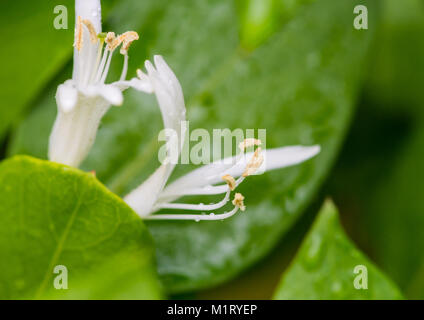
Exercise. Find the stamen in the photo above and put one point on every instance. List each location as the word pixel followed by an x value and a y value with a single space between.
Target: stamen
pixel 124 68
pixel 127 39
pixel 110 36
pixel 111 44
pixel 197 207
pixel 111 41
pixel 106 53
pixel 78 35
pixel 206 190
pixel 91 30
pixel 106 70
pixel 249 143
pixel 230 181
pixel 202 207
pixel 195 217
pixel 94 75
pixel 238 204
pixel 254 163
pixel 238 201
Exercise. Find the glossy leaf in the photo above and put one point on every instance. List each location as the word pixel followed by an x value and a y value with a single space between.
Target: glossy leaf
pixel 328 266
pixel 52 215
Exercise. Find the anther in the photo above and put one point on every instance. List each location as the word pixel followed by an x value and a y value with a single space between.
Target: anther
pixel 249 143
pixel 230 181
pixel 78 35
pixel 91 30
pixel 127 39
pixel 254 163
pixel 238 201
pixel 111 41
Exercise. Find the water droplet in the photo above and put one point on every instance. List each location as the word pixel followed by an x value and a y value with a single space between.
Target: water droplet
pixel 314 253
pixel 197 220
pixel 95 13
pixel 212 214
pixel 336 286
pixel 337 289
pixel 355 254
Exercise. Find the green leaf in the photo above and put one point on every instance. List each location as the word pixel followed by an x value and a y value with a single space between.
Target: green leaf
pixel 54 215
pixel 324 267
pixel 300 85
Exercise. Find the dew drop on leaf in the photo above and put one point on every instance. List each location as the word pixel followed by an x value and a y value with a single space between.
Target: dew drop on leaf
pixel 314 252
pixel 337 289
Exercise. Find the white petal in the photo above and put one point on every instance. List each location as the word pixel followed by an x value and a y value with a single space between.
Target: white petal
pixel 87 10
pixel 90 10
pixel 168 92
pixel 110 93
pixel 288 156
pixel 208 175
pixel 169 95
pixel 142 85
pixel 168 76
pixel 67 97
pixel 143 198
pixel 74 132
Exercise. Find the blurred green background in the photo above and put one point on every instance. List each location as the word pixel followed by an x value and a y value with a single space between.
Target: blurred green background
pixel 377 181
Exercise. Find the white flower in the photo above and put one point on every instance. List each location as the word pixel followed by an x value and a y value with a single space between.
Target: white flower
pixel 152 196
pixel 83 101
